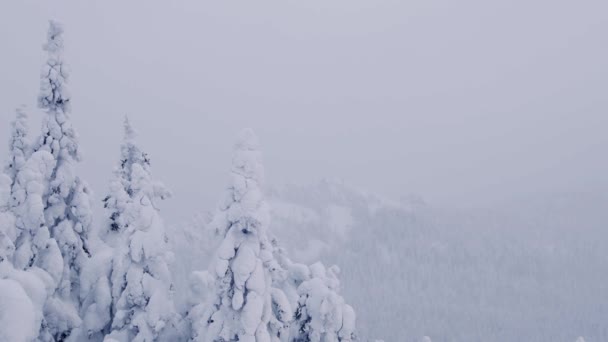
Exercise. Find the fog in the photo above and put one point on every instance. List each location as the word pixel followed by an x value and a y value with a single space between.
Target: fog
pixel 464 103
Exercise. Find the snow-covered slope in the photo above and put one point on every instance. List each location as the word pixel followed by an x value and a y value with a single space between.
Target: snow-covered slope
pixel 530 270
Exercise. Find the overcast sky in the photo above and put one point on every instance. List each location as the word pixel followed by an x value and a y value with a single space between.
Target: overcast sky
pixel 462 102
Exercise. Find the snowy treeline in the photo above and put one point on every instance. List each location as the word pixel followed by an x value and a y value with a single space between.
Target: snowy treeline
pixel 526 270
pixel 67 277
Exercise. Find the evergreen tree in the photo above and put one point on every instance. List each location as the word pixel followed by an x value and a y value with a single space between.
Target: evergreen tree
pixel 121 187
pixel 23 292
pixel 96 297
pixel 10 193
pixel 240 307
pixel 7 221
pixel 322 315
pixel 34 244
pixel 36 251
pixel 141 285
pixel 18 149
pixel 66 200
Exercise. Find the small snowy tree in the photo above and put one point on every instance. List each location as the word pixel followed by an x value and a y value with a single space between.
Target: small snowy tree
pixel 8 233
pixel 18 153
pixel 322 315
pixel 96 296
pixel 121 187
pixel 18 147
pixel 34 242
pixel 141 285
pixel 22 293
pixel 66 199
pixel 240 306
pixel 96 291
pixel 36 251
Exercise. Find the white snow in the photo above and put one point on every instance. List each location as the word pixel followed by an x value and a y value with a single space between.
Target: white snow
pixel 19 320
pixel 527 271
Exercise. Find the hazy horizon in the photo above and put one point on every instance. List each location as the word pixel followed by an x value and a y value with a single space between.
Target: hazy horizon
pixel 463 104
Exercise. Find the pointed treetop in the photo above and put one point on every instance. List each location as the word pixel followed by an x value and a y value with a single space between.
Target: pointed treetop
pixel 130 132
pixel 21 112
pixel 54 95
pixel 19 126
pixel 54 42
pixel 131 152
pixel 247 140
pixel 246 161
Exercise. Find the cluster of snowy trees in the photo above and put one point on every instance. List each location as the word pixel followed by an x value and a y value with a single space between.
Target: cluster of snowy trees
pixel 65 278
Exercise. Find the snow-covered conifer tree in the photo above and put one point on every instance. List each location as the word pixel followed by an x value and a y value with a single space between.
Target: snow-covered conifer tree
pixel 66 199
pixel 18 147
pixel 121 187
pixel 240 307
pixel 34 237
pixel 141 285
pixel 322 315
pixel 96 296
pixel 36 251
pixel 8 232
pixel 18 153
pixel 22 294
pixel 96 291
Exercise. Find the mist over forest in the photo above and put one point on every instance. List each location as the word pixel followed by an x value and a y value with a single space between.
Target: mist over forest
pixel 304 172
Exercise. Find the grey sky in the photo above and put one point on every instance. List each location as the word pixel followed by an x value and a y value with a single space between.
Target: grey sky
pixel 459 101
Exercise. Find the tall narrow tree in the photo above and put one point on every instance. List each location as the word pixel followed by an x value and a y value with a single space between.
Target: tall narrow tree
pixel 67 209
pixel 141 286
pixel 98 303
pixel 241 305
pixel 22 294
pixel 36 251
pixel 18 149
pixel 7 221
pixel 121 185
pixel 12 195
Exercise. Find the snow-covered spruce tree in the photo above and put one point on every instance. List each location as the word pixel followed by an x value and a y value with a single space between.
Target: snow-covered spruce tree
pixel 37 252
pixel 96 296
pixel 22 294
pixel 8 233
pixel 96 291
pixel 18 152
pixel 121 188
pixel 322 315
pixel 18 148
pixel 67 207
pixel 141 286
pixel 242 305
pixel 34 243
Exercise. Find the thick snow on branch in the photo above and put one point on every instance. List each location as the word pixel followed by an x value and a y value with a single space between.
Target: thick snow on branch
pixel 239 304
pixel 18 145
pixel 140 291
pixel 52 203
pixel 54 95
pixel 322 314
